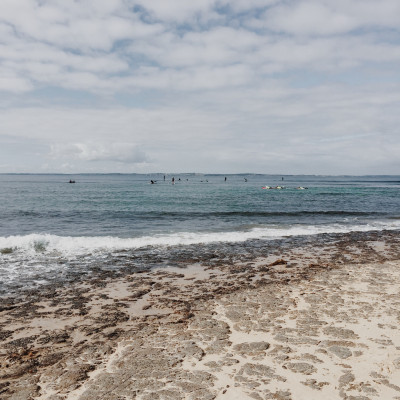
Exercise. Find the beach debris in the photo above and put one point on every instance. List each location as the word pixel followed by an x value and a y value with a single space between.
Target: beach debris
pixel 314 384
pixel 280 261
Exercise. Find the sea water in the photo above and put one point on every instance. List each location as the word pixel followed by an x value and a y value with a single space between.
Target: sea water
pixel 50 228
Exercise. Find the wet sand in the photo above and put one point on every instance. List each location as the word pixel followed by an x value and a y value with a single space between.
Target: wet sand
pixel 312 322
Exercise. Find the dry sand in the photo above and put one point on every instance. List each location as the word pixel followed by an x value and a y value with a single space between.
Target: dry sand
pixel 315 323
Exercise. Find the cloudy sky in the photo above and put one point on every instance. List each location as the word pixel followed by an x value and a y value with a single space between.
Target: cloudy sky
pixel 265 86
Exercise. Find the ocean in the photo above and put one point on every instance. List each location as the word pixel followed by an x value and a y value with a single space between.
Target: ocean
pixel 52 230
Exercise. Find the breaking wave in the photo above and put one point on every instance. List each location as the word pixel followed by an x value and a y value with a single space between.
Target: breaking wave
pixel 74 246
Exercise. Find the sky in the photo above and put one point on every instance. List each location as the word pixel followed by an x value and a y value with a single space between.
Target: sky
pixel 258 86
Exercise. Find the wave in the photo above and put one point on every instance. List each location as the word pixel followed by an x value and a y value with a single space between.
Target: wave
pixel 36 244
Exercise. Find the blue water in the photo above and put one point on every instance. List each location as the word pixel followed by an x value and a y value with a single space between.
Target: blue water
pixel 128 206
pixel 45 221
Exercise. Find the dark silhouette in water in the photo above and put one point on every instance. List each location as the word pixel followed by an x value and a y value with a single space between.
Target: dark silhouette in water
pixel 173 180
pixel 225 179
pixel 71 181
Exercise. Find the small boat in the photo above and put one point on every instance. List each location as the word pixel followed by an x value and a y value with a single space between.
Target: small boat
pixel 273 187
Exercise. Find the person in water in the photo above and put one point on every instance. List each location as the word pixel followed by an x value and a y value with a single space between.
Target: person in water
pixel 225 179
pixel 173 180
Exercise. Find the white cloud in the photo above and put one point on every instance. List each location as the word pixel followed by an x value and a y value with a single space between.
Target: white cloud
pixel 326 17
pixel 177 10
pixel 330 129
pixel 80 25
pixel 309 17
pixel 11 82
pixel 216 47
pixel 106 48
pixel 113 151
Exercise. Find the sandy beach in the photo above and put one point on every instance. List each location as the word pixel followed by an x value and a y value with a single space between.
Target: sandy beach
pixel 312 322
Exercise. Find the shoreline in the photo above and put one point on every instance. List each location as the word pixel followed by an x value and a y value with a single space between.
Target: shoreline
pixel 215 328
pixel 213 254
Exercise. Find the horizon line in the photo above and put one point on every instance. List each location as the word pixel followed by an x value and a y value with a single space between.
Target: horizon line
pixel 186 173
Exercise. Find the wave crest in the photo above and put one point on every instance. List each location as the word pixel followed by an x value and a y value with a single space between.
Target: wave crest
pixel 35 244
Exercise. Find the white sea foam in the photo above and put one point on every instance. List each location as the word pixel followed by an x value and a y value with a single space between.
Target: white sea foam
pixel 74 246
